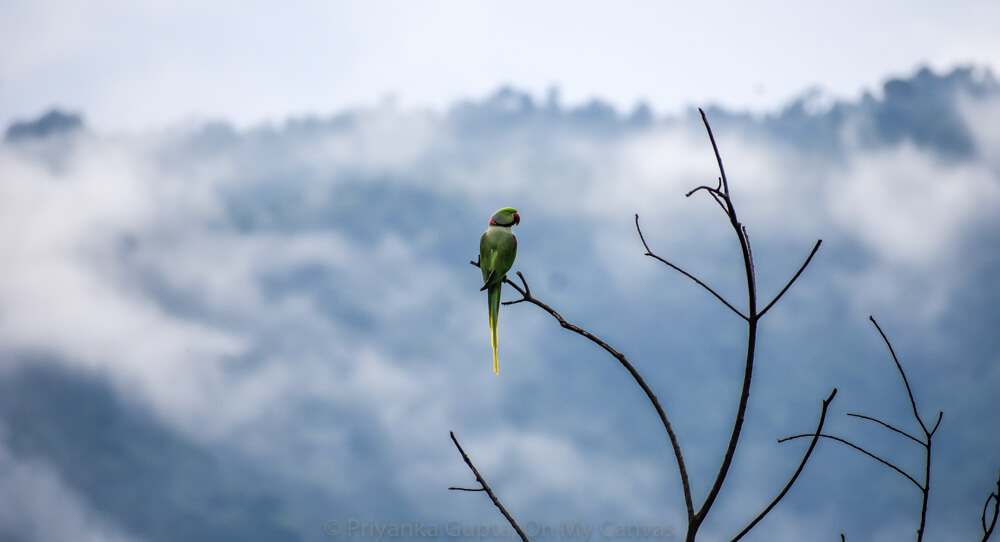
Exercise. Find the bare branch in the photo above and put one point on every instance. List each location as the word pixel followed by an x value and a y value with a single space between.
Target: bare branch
pixel 926 487
pixel 526 296
pixel 793 279
pixel 683 272
pixel 862 450
pixel 486 488
pixel 888 426
pixel 906 382
pixel 752 319
pixel 802 464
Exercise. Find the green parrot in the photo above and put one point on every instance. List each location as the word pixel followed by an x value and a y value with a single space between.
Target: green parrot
pixel 497 249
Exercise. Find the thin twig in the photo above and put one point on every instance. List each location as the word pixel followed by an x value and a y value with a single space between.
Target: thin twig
pixel 906 382
pixel 526 296
pixel 683 272
pixel 794 277
pixel 486 488
pixel 888 426
pixel 926 487
pixel 860 449
pixel 802 464
pixel 723 198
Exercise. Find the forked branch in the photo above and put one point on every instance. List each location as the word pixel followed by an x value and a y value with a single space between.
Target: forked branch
pixel 925 486
pixel 928 433
pixel 722 196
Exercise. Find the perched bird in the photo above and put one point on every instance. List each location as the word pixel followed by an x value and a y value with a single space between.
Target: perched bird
pixel 497 249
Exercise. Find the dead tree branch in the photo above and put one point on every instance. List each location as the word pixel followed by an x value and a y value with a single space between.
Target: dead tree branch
pixel 722 196
pixel 485 487
pixel 928 433
pixel 925 486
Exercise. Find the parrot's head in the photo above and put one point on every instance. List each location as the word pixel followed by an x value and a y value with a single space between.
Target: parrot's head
pixel 505 217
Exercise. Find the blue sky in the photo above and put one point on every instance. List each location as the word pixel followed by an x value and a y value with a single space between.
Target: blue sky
pixel 133 65
pixel 239 302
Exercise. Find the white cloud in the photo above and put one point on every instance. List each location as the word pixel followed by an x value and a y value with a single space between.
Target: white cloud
pixel 61 293
pixel 907 206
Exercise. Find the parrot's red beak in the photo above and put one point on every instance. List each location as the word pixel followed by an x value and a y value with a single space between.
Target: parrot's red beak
pixel 517 218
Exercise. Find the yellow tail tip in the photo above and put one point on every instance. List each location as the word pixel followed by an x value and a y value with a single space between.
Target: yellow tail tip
pixel 493 343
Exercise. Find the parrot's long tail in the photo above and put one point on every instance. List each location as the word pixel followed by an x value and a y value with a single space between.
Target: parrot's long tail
pixel 494 295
